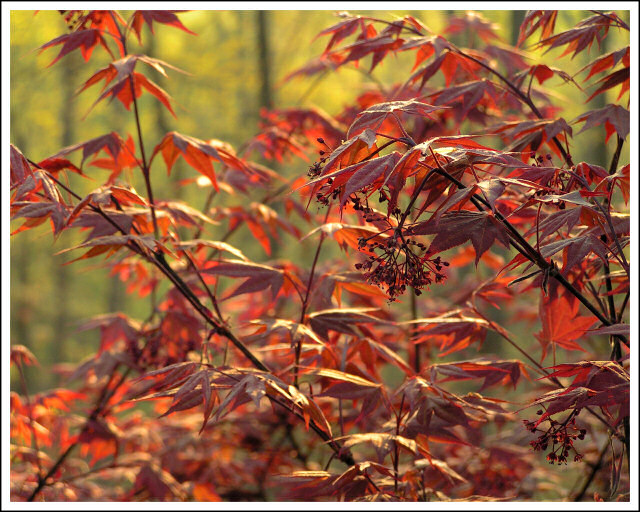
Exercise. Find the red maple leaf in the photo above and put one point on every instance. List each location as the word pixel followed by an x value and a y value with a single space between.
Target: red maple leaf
pixel 562 324
pixel 198 154
pixel 121 72
pixel 148 17
pixel 374 116
pixel 614 117
pixel 456 228
pixel 86 40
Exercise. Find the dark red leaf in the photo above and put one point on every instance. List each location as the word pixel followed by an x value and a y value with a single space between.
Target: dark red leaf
pixel 86 40
pixel 343 320
pixel 472 22
pixel 258 277
pixel 622 76
pixel 545 20
pixel 148 17
pixel 579 37
pixel 614 117
pixel 493 372
pixel 22 356
pixel 19 167
pixel 373 116
pixel 607 61
pixel 456 228
pixel 562 324
pixel 453 331
pixel 596 383
pixel 112 143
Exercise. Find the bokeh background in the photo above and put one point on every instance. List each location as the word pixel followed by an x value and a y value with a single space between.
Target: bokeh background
pixel 237 63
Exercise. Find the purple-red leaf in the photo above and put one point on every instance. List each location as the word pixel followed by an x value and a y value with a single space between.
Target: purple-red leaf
pixel 86 40
pixel 456 228
pixel 374 116
pixel 614 117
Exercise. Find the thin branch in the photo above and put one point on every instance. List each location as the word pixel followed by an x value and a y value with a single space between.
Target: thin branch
pixel 25 391
pixel 623 307
pixel 212 297
pixel 145 165
pixel 305 302
pixel 594 470
pixel 414 316
pixel 595 295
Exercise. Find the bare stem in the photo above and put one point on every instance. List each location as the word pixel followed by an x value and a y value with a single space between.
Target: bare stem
pixel 305 302
pixel 414 316
pixel 594 470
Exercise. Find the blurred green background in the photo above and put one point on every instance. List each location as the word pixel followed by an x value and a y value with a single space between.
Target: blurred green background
pixel 222 100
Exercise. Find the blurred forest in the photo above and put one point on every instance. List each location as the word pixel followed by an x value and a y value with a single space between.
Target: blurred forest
pixel 238 61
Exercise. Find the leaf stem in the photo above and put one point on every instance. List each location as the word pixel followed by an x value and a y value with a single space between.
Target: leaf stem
pixel 145 165
pixel 212 297
pixel 305 302
pixel 414 316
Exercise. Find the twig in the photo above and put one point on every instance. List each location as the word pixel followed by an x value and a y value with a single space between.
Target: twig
pixel 145 165
pixel 594 470
pixel 305 303
pixel 25 391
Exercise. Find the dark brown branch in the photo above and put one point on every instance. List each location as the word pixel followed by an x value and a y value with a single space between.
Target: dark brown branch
pixel 594 470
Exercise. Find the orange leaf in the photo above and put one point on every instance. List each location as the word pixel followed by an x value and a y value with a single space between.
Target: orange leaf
pixel 561 324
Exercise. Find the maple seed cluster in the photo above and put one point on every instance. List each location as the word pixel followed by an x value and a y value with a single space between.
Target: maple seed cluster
pixel 538 160
pixel 399 265
pixel 316 168
pixel 71 18
pixel 560 435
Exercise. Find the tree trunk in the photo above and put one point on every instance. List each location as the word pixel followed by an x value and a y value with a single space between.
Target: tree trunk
pixel 63 277
pixel 517 17
pixel 264 59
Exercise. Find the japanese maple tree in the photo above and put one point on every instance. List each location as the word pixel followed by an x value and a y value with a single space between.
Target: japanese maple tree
pixel 458 209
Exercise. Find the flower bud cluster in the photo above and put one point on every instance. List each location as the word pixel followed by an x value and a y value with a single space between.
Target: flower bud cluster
pixel 400 262
pixel 560 436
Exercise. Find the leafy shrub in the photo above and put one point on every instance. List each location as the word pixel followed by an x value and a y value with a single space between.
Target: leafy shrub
pixel 349 378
